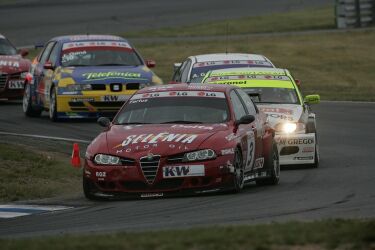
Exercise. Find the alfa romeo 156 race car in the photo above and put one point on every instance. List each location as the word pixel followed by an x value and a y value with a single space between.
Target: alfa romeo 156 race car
pixel 85 76
pixel 181 138
pixel 276 94
pixel 194 68
pixel 13 70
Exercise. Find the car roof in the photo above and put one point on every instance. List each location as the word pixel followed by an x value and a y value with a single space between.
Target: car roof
pixel 187 87
pixel 229 56
pixel 81 38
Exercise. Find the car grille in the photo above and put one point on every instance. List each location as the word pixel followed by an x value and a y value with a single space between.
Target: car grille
pixel 3 80
pixel 127 86
pixel 179 158
pixel 149 166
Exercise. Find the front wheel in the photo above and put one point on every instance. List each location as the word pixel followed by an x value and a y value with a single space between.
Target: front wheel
pixel 53 106
pixel 272 164
pixel 27 106
pixel 88 189
pixel 239 172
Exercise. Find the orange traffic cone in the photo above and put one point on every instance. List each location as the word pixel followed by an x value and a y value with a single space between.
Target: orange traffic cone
pixel 76 158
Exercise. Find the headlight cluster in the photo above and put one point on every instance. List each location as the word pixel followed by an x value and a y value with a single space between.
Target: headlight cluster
pixel 78 87
pixel 200 155
pixel 23 75
pixel 103 159
pixel 290 127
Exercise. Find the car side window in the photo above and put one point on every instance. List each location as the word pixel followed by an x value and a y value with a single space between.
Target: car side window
pixel 54 54
pixel 185 71
pixel 251 108
pixel 238 108
pixel 46 52
pixel 178 75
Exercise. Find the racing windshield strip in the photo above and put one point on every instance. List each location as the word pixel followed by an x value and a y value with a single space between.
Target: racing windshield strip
pixel 111 44
pixel 255 83
pixel 209 94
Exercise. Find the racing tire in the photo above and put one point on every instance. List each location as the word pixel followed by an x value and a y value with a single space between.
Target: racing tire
pixel 311 128
pixel 272 164
pixel 317 155
pixel 27 106
pixel 88 189
pixel 53 106
pixel 239 172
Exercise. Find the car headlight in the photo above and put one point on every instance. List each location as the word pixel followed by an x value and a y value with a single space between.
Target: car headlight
pixel 103 159
pixel 290 127
pixel 78 87
pixel 23 75
pixel 200 155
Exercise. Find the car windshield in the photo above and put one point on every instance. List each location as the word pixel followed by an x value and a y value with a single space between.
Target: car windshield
pixel 273 95
pixel 182 110
pixel 199 70
pixel 96 55
pixel 6 48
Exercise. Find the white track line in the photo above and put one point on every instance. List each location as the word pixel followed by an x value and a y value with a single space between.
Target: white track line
pixel 46 137
pixel 12 210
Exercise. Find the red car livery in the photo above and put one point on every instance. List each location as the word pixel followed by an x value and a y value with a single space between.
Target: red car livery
pixel 183 137
pixel 13 70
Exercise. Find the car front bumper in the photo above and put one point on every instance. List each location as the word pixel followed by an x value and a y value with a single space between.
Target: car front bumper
pixel 296 148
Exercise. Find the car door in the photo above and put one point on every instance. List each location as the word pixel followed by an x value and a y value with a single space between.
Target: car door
pixel 49 73
pixel 258 125
pixel 39 74
pixel 246 133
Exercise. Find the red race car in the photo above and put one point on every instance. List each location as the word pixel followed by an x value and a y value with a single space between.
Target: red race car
pixel 181 138
pixel 13 70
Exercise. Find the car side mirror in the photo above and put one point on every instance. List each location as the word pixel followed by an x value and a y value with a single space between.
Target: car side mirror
pixel 23 52
pixel 48 65
pixel 298 82
pixel 150 63
pixel 104 122
pixel 312 99
pixel 176 66
pixel 246 119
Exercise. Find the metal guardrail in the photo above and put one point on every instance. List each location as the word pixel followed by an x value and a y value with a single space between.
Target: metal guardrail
pixel 354 13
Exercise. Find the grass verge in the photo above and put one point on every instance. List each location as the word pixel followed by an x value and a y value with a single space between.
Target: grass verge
pixel 28 172
pixel 311 19
pixel 327 234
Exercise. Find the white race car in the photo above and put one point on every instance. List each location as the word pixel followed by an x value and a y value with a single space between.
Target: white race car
pixel 194 68
pixel 275 92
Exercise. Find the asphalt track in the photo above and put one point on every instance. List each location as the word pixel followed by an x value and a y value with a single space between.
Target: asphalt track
pixel 27 22
pixel 342 187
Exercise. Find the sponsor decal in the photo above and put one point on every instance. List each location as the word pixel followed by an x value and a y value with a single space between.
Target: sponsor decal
pixel 114 98
pixel 86 99
pixel 304 158
pixel 100 174
pixel 192 126
pixel 138 101
pixel 277 110
pixel 155 138
pixel 227 151
pixel 280 116
pixel 308 149
pixel 151 195
pixel 237 78
pixel 72 56
pixel 92 76
pixel 73 45
pixel 231 137
pixel 284 141
pixel 259 163
pixel 179 93
pixel 183 171
pixel 9 63
pixel 231 62
pixel 15 84
pixel 199 87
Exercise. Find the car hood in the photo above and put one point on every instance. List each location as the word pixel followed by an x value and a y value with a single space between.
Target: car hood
pixel 135 141
pixel 14 64
pixel 277 113
pixel 108 74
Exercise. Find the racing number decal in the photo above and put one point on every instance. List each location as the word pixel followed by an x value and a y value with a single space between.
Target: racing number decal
pixel 250 150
